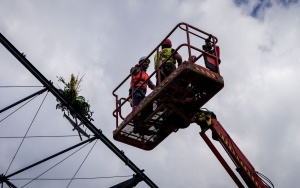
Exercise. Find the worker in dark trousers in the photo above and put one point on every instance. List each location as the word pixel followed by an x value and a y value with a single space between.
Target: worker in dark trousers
pixel 162 56
pixel 138 86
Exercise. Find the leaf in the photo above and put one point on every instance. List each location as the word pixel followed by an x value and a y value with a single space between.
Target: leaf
pixel 70 92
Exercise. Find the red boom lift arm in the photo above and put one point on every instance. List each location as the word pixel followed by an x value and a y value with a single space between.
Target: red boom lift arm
pixel 208 120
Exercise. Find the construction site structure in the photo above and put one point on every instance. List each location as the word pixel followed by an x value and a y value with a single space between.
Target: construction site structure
pixel 80 121
pixel 174 104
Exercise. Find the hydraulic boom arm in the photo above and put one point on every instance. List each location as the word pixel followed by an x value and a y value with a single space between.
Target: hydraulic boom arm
pixel 207 120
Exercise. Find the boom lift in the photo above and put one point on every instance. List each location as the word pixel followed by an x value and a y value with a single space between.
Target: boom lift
pixel 176 103
pixel 208 120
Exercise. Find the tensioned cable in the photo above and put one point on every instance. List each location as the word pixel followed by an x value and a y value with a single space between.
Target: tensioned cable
pixel 56 164
pixel 81 164
pixel 18 137
pixel 20 86
pixel 18 108
pixel 64 179
pixel 26 133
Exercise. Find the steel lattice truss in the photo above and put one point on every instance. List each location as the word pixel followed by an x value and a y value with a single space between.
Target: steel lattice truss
pixel 23 111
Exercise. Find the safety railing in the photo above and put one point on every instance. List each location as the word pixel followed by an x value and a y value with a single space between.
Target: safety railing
pixel 191 40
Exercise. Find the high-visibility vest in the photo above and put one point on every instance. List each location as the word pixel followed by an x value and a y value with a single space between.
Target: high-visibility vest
pixel 138 79
pixel 163 55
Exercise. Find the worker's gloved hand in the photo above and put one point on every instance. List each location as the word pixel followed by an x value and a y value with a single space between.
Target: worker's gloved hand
pixel 192 59
pixel 130 102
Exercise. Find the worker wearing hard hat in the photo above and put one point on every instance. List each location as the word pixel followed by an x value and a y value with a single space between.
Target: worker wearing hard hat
pixel 166 58
pixel 138 84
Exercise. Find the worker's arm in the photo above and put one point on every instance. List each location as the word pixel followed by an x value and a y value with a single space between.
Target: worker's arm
pixel 150 84
pixel 178 57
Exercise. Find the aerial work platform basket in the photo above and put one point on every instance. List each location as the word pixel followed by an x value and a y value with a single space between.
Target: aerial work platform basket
pixel 172 105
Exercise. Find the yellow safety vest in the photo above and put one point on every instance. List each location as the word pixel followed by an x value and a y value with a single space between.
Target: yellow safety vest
pixel 163 55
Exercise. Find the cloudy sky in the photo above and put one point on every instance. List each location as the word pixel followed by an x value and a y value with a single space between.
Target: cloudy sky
pixel 101 40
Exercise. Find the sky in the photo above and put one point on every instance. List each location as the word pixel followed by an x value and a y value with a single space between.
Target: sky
pixel 101 41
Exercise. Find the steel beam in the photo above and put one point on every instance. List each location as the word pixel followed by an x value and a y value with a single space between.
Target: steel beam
pixel 97 132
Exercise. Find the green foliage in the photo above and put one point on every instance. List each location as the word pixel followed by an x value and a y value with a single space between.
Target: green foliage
pixel 70 92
